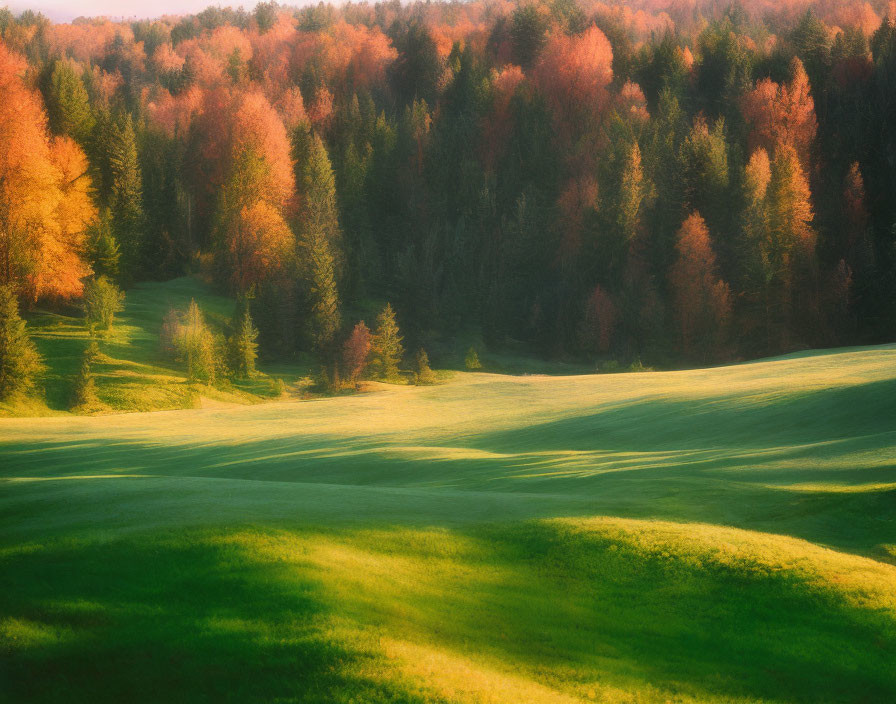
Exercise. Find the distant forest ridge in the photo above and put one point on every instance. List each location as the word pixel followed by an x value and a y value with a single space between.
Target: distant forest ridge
pixel 670 181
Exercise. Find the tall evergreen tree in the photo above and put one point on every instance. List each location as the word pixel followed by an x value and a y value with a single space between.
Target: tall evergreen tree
pixel 634 190
pixel 704 170
pixel 126 197
pixel 319 266
pixel 319 244
pixel 19 360
pixel 317 187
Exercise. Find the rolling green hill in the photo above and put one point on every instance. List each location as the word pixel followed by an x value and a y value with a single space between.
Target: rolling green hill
pixel 723 535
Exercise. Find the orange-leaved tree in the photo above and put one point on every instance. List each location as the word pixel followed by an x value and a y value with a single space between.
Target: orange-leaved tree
pixel 782 114
pixel 253 238
pixel 44 195
pixel 702 299
pixel 573 74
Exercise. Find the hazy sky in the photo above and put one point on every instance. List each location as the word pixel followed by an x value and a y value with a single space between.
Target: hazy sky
pixel 64 11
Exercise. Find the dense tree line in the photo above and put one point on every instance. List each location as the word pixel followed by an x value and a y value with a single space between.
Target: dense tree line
pixel 665 181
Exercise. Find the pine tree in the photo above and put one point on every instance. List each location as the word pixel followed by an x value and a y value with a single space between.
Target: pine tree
pixel 19 360
pixel 416 71
pixel 242 344
pixel 84 396
pixel 265 15
pixel 360 251
pixel 386 347
pixel 319 215
pixel 126 200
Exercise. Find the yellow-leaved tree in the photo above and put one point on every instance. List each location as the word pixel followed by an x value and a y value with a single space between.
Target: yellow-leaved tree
pixel 45 204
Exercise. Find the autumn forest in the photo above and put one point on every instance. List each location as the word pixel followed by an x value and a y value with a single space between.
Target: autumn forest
pixel 443 352
pixel 680 182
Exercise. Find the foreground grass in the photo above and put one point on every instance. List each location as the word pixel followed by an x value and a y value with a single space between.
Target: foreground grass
pixel 713 535
pixel 132 374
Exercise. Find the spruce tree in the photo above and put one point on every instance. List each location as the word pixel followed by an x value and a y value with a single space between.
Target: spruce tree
pixel 317 184
pixel 126 200
pixel 319 244
pixel 19 360
pixel 242 344
pixel 323 297
pixel 386 346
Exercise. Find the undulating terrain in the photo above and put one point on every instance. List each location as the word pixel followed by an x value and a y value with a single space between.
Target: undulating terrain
pixel 725 534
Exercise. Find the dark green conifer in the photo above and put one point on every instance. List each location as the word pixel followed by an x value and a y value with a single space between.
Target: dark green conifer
pixel 19 360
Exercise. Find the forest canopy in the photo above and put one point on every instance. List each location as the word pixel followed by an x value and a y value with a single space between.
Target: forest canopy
pixel 668 180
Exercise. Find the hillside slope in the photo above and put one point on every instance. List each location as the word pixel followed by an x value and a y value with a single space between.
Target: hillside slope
pixel 713 535
pixel 132 374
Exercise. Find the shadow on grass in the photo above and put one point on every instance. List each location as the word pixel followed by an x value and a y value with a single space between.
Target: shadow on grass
pixel 737 487
pixel 198 617
pixel 699 625
pixel 722 421
pixel 582 608
pixel 173 619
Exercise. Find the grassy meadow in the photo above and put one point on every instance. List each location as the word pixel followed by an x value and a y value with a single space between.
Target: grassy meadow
pixel 718 535
pixel 132 374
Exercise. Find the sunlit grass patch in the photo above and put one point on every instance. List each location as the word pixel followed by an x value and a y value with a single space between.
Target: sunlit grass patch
pixel 545 611
pixel 720 535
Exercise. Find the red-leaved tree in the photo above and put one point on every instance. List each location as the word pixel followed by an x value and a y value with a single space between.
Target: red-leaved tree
pixel 355 352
